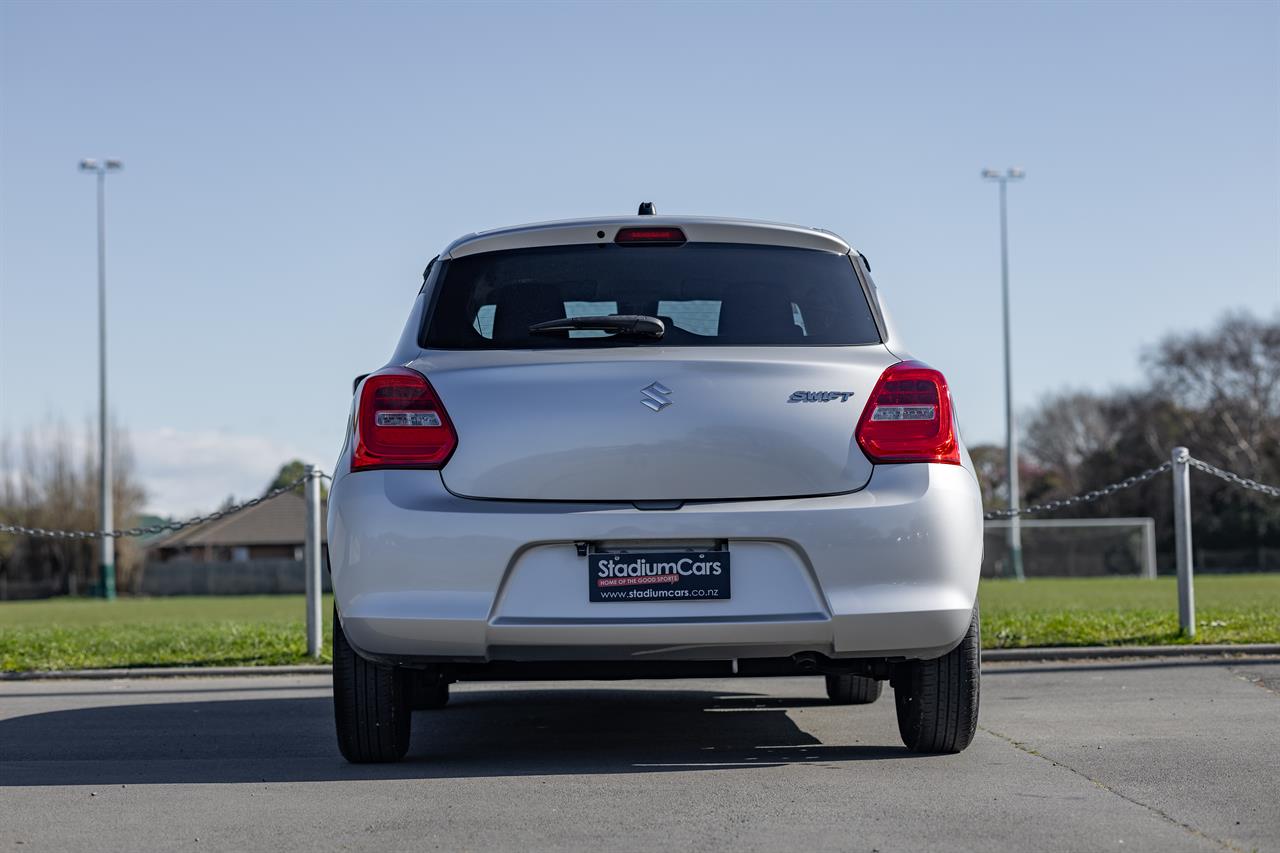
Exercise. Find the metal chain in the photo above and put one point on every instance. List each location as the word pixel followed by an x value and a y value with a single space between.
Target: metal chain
pixel 1094 495
pixel 20 530
pixel 1048 506
pixel 1273 491
pixel 1087 497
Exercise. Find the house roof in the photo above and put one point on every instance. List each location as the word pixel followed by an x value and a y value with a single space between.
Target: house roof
pixel 280 521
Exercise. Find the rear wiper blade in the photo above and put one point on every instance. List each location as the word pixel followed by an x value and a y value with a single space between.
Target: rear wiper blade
pixel 637 325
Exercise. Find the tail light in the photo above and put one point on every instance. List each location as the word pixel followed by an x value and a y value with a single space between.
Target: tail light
pixel 908 417
pixel 401 423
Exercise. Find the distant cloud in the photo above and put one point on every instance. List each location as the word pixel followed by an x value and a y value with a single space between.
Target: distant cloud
pixel 186 473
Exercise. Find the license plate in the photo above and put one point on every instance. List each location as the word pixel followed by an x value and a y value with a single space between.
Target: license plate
pixel 658 576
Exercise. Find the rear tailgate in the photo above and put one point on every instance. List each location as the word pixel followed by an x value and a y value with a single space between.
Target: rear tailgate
pixel 639 425
pixel 754 390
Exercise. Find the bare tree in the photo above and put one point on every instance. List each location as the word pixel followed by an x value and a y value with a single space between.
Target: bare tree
pixel 49 479
pixel 1216 392
pixel 1227 381
pixel 1065 430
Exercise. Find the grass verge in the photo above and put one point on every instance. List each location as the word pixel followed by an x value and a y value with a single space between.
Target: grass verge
pixel 73 633
pixel 261 630
pixel 1127 611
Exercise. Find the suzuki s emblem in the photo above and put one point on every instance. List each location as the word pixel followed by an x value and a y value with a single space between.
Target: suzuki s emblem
pixel 656 396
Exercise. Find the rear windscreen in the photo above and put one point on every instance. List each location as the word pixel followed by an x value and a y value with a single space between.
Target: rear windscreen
pixel 707 294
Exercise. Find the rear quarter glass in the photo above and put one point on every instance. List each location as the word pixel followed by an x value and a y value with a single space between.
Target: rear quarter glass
pixel 707 294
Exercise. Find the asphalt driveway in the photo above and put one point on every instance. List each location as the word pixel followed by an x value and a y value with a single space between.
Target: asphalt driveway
pixel 1161 756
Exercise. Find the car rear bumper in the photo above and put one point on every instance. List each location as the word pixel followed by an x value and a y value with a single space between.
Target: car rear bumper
pixel 889 571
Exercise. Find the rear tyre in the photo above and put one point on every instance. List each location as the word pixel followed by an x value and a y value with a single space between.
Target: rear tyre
pixel 852 689
pixel 937 700
pixel 370 705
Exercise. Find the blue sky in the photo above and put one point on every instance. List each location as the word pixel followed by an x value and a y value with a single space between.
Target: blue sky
pixel 291 168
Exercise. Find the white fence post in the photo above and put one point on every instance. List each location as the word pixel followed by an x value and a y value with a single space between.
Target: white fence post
pixel 314 562
pixel 1149 548
pixel 1182 539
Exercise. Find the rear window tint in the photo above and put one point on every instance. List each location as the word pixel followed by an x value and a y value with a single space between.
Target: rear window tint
pixel 707 294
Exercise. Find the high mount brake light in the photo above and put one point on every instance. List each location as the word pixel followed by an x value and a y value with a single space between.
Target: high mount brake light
pixel 401 423
pixel 908 417
pixel 650 236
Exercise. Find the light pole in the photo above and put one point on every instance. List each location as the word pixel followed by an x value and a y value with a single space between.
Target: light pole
pixel 1011 433
pixel 107 562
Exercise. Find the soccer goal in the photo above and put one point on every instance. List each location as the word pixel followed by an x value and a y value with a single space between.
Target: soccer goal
pixel 1074 547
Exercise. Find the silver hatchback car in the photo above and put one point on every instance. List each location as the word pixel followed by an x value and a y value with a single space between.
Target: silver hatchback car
pixel 653 447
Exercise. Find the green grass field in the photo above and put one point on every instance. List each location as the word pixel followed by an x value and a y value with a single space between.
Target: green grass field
pixel 1127 611
pixel 257 630
pixel 78 633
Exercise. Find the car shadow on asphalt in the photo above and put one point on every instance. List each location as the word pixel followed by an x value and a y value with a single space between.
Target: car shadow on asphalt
pixel 482 733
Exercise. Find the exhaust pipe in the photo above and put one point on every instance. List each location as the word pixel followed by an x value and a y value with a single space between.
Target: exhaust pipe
pixel 807 661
